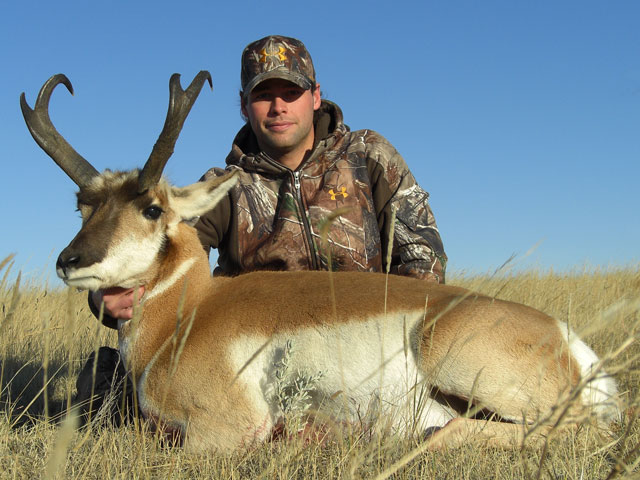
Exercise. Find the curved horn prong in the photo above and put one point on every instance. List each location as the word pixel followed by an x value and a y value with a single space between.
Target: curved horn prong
pixel 45 134
pixel 180 103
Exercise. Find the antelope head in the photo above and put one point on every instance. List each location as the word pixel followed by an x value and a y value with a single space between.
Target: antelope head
pixel 128 218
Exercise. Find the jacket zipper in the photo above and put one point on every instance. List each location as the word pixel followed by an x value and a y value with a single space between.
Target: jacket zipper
pixel 298 196
pixel 305 220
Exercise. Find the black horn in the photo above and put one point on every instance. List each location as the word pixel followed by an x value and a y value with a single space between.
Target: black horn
pixel 45 134
pixel 180 103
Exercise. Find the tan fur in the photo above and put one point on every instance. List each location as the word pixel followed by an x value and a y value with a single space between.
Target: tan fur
pixel 500 356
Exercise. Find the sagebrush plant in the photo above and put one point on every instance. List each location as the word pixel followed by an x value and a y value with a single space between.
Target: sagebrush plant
pixel 293 389
pixel 47 333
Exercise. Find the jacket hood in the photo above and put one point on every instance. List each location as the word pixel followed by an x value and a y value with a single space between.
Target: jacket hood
pixel 245 152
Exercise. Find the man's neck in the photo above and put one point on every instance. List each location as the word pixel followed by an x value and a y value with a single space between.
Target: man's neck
pixel 294 158
pixel 292 161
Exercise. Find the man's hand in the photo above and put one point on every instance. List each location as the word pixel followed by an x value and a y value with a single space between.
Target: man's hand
pixel 118 302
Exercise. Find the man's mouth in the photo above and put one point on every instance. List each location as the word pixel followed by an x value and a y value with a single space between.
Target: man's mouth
pixel 278 126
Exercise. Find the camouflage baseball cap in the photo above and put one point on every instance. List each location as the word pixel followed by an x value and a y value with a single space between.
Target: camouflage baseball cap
pixel 276 57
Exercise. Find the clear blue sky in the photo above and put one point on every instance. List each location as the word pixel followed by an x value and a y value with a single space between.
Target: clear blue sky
pixel 522 119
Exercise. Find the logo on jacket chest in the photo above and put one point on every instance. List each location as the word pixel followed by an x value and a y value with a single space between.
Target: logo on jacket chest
pixel 342 191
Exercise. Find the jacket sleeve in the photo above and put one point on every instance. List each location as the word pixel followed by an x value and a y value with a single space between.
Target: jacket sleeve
pixel 417 249
pixel 212 227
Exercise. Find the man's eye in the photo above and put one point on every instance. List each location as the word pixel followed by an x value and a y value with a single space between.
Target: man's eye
pixel 152 213
pixel 293 94
pixel 261 97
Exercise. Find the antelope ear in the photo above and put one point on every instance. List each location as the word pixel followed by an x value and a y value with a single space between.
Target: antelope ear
pixel 197 199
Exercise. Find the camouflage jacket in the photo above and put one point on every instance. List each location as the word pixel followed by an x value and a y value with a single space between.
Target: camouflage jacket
pixel 279 219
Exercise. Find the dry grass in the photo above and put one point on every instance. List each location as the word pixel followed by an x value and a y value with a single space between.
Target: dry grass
pixel 46 334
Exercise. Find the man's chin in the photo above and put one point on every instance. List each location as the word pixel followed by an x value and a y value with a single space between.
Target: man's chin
pixel 279 142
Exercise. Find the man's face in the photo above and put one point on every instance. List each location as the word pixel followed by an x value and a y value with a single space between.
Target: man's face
pixel 281 116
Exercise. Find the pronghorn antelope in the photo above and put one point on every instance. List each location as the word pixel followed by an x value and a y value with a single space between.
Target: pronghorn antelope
pixel 204 351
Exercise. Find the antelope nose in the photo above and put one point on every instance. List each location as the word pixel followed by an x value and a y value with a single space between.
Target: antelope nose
pixel 66 260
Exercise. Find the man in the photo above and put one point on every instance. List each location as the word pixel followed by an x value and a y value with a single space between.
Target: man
pixel 298 163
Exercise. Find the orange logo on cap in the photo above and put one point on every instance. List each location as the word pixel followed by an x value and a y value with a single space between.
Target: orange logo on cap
pixel 343 192
pixel 280 54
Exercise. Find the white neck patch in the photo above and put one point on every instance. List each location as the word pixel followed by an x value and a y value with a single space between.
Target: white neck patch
pixel 179 272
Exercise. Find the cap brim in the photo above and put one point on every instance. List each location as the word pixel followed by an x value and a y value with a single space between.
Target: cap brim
pixel 284 74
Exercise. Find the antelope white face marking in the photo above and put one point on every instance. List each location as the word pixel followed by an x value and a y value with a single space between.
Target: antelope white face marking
pixel 124 265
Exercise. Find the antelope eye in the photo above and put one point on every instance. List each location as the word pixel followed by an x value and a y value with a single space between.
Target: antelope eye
pixel 152 213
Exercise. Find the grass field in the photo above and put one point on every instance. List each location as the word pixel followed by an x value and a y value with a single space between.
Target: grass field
pixel 47 334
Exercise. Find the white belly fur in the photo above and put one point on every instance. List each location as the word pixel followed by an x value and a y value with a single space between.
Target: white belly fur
pixel 365 367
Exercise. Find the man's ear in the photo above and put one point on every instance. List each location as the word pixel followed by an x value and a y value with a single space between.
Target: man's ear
pixel 317 100
pixel 243 106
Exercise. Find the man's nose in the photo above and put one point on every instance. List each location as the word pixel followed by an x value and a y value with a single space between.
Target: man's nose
pixel 278 105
